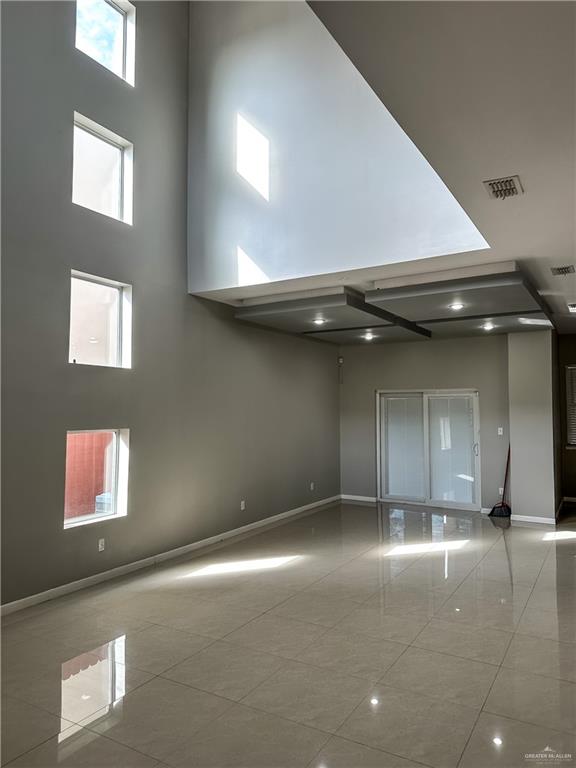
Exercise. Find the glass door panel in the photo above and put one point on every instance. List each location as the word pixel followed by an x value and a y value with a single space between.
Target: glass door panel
pixel 453 445
pixel 403 454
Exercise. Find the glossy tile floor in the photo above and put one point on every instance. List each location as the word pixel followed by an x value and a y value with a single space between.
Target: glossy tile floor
pixel 352 638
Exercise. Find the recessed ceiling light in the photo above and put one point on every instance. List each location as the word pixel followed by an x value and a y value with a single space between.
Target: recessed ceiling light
pixel 488 326
pixel 368 336
pixel 374 701
pixel 456 306
pixel 319 321
pixel 497 740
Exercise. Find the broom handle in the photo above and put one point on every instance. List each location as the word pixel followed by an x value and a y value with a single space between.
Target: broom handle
pixel 506 476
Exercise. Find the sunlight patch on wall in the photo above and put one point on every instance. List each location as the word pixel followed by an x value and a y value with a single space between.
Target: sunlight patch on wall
pixel 249 273
pixel 253 156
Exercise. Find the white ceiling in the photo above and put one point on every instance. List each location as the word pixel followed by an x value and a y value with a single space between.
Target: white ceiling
pixel 484 89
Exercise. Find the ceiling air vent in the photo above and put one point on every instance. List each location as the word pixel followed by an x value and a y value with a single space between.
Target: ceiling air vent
pixel 507 186
pixel 567 269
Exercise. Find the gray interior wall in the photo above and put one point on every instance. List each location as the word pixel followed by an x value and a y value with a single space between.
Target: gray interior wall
pixel 217 411
pixel 530 381
pixel 471 363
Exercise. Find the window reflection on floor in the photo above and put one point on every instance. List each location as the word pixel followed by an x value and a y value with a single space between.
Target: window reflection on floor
pixel 93 681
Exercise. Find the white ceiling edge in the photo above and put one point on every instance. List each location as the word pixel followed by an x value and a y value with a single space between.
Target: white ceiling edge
pixel 361 279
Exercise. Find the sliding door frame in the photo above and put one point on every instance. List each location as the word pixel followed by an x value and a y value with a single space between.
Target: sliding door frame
pixel 476 505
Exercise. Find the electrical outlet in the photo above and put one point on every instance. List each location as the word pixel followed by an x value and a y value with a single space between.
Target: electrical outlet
pixel 101 545
pixel 242 505
pixel 312 485
pixel 500 431
pixel 500 491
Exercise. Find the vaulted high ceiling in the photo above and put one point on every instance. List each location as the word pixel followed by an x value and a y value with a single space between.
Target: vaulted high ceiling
pixel 485 90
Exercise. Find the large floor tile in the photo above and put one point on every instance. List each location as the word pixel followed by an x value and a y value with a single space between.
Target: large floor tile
pixel 247 738
pixel 487 645
pixel 211 619
pixel 225 669
pixel 398 599
pixel 315 609
pixel 420 728
pixel 341 753
pixel 80 748
pixel 440 676
pixel 260 597
pixel 416 727
pixel 340 588
pixel 352 654
pixel 558 624
pixel 277 635
pixel 543 701
pixel 315 697
pixel 159 718
pixel 540 656
pixel 25 726
pixel 504 743
pixel 371 620
pixel 158 648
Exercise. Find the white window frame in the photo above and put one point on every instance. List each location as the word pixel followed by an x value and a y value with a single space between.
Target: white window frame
pixel 126 165
pixel 124 356
pixel 128 12
pixel 120 482
pixel 570 406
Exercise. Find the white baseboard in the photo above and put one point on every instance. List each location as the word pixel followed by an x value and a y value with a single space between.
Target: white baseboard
pixel 366 499
pixel 531 519
pixel 113 573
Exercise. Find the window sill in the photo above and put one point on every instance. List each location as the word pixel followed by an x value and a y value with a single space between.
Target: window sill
pixel 90 521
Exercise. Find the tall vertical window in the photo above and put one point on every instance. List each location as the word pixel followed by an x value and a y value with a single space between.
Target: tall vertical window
pixel 100 322
pixel 96 484
pixel 105 31
pixel 102 170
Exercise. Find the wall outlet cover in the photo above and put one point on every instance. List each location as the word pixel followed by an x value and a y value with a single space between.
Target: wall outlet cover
pixel 101 545
pixel 242 505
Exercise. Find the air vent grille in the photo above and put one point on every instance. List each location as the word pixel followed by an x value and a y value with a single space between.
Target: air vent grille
pixel 507 186
pixel 571 307
pixel 567 269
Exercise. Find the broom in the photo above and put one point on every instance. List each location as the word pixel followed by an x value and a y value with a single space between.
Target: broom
pixel 502 509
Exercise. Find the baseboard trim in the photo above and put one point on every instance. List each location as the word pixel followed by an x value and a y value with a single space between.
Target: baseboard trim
pixel 532 519
pixel 122 570
pixel 366 499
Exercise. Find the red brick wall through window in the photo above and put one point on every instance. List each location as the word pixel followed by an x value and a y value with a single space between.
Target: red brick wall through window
pixel 85 471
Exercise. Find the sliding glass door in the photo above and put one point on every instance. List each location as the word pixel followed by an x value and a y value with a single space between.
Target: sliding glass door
pixel 429 448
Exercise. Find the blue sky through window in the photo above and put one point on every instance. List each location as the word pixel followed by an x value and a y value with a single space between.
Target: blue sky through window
pixel 100 33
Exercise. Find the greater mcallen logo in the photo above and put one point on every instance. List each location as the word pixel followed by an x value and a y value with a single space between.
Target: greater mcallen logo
pixel 548 755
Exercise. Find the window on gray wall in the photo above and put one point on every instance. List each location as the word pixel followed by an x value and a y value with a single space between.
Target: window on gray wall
pixel 571 405
pixel 100 321
pixel 102 170
pixel 105 31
